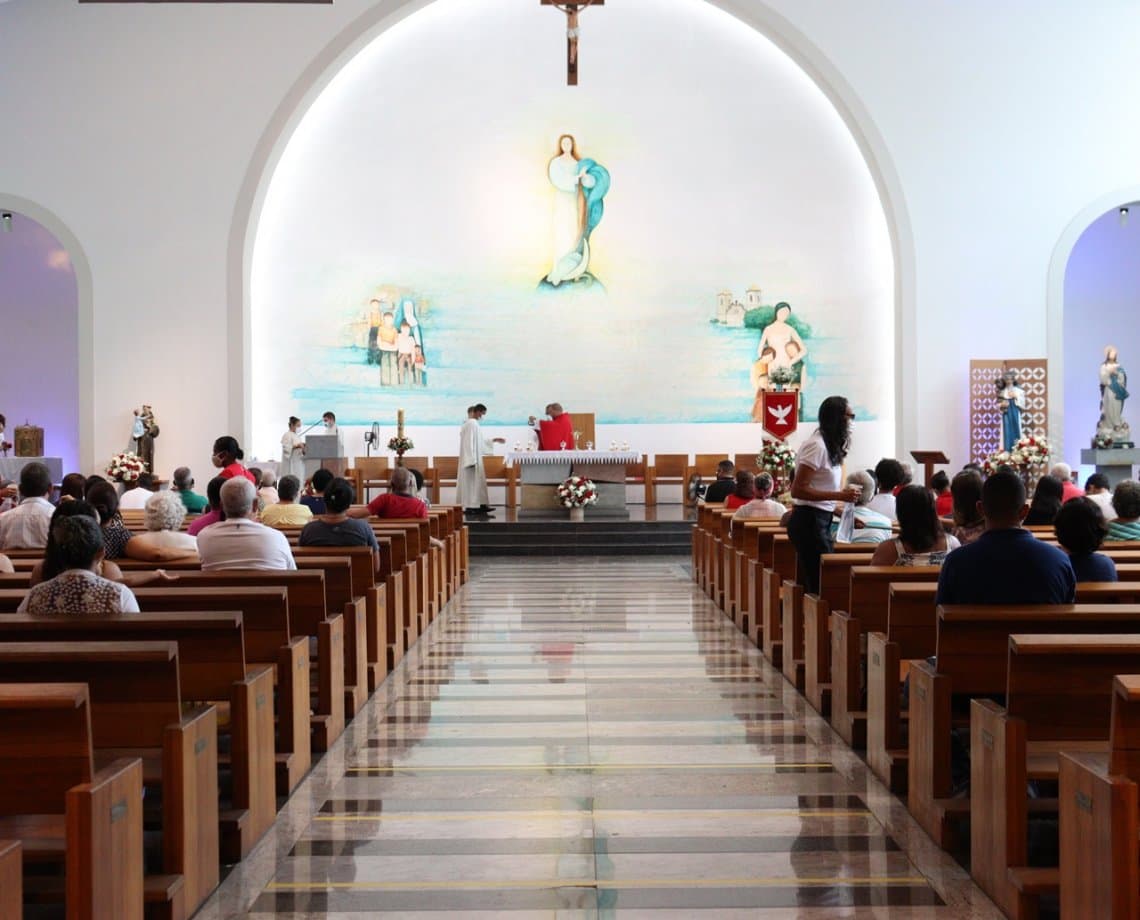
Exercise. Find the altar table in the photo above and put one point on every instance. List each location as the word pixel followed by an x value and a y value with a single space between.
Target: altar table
pixel 540 471
pixel 10 466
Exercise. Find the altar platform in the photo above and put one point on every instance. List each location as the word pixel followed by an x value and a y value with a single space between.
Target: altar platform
pixel 665 530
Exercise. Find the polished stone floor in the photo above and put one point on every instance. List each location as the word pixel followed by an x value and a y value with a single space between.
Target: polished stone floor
pixel 592 738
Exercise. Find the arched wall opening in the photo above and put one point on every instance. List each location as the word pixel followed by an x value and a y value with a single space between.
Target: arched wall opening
pixel 670 134
pixel 1101 300
pixel 46 302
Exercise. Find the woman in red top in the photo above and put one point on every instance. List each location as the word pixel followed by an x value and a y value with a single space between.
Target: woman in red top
pixel 943 500
pixel 228 456
pixel 744 492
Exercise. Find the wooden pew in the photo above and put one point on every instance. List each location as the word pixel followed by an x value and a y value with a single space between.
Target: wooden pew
pixel 1058 696
pixel 136 709
pixel 11 880
pixel 61 809
pixel 972 661
pixel 212 668
pixel 309 617
pixel 771 629
pixel 268 641
pixel 1100 817
pixel 337 562
pixel 866 613
pixel 815 614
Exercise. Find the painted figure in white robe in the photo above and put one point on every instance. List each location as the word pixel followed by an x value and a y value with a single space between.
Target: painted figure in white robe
pixel 787 347
pixel 471 486
pixel 292 451
pixel 580 189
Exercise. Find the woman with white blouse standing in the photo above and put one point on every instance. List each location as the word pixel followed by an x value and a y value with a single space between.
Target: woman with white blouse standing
pixel 816 488
pixel 292 451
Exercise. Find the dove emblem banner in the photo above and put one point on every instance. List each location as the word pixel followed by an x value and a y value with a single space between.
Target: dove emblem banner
pixel 781 412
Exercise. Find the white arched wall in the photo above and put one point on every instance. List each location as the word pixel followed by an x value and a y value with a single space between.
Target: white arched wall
pixel 1055 313
pixel 85 397
pixel 371 24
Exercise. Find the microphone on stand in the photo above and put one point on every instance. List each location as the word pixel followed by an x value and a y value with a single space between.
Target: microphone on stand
pixel 311 427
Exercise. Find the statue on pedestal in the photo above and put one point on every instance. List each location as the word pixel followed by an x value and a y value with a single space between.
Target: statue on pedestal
pixel 1011 403
pixel 143 432
pixel 1111 429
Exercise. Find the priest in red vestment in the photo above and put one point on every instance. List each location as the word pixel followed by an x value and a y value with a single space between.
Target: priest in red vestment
pixel 557 432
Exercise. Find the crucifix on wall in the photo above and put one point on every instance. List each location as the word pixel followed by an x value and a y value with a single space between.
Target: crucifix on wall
pixel 571 10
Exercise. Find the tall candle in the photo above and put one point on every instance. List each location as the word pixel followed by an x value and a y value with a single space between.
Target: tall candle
pixel 400 422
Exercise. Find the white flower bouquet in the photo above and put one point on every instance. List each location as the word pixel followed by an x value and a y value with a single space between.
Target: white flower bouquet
pixel 577 492
pixel 126 467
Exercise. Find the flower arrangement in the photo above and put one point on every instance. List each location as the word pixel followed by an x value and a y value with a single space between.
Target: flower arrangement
pixel 1027 453
pixel 777 458
pixel 400 444
pixel 126 467
pixel 577 492
pixel 782 376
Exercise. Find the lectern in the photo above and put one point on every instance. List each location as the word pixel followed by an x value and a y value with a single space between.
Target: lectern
pixel 325 452
pixel 928 458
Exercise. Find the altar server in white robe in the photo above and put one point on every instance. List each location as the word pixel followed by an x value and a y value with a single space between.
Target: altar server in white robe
pixel 293 451
pixel 471 491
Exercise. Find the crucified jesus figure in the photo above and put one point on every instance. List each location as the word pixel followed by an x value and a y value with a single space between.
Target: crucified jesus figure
pixel 571 10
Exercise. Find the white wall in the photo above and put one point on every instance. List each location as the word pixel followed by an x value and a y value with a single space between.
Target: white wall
pixel 136 125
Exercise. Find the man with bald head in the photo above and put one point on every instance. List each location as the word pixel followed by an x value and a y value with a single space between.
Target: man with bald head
pixel 241 541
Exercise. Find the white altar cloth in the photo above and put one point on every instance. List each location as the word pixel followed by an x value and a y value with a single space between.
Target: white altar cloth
pixel 10 466
pixel 538 457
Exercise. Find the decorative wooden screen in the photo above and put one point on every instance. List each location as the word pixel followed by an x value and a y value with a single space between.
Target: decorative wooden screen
pixel 985 417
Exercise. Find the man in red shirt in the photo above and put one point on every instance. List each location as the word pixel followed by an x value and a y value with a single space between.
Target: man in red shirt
pixel 557 433
pixel 398 502
pixel 1069 489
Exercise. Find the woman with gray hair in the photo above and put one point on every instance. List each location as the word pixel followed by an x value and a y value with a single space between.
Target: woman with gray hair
pixel 78 589
pixel 870 526
pixel 164 539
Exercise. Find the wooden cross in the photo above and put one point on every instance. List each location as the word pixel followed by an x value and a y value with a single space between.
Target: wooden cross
pixel 572 9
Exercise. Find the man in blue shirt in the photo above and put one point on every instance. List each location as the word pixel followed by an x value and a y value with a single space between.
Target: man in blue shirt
pixel 1006 564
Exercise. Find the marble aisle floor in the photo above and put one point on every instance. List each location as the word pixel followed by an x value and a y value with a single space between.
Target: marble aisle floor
pixel 592 738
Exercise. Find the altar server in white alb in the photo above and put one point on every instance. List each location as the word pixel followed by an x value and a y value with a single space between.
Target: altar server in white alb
pixel 293 451
pixel 471 492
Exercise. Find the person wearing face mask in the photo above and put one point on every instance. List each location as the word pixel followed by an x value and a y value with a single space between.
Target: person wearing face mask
pixel 329 420
pixel 227 458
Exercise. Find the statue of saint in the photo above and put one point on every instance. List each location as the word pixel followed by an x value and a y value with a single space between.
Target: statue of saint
pixel 143 433
pixel 1111 426
pixel 1011 402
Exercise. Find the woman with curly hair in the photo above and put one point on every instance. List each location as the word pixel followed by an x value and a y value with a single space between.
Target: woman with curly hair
pixel 164 539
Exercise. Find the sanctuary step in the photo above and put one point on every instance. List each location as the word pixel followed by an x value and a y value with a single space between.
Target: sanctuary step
pixel 562 538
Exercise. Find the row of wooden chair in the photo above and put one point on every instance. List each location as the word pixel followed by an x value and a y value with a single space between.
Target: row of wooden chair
pixel 286 657
pixel 1033 684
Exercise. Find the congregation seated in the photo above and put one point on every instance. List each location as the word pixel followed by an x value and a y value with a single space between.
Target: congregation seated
pixel 314 497
pixel 1081 529
pixel 1070 489
pixel 1047 499
pixel 967 522
pixel 26 525
pixel 723 485
pixel 1126 504
pixel 943 497
pixel 870 526
pixel 889 475
pixel 339 526
pixel 921 539
pixel 267 490
pixel 104 498
pixel 214 502
pixel 1098 489
pixel 182 485
pixel 52 563
pixel 744 490
pixel 135 497
pixel 78 589
pixel 398 502
pixel 418 489
pixel 1006 564
pixel 72 487
pixel 762 504
pixel 240 541
pixel 287 511
pixel 163 539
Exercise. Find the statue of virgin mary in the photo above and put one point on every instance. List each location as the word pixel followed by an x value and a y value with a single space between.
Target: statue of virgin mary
pixel 580 186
